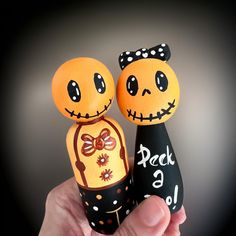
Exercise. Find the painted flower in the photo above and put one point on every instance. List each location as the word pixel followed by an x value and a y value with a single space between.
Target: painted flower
pixel 103 160
pixel 106 175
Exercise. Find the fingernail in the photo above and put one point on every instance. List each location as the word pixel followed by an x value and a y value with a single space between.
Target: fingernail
pixel 151 212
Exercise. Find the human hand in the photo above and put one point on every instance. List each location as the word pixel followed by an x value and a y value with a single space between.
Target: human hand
pixel 64 215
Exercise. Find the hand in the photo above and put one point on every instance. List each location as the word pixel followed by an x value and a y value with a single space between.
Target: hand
pixel 64 215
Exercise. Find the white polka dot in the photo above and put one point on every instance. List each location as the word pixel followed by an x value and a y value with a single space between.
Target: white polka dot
pixel 106 175
pixel 163 44
pixel 138 53
pixel 121 54
pixel 133 79
pixel 162 54
pixel 145 55
pixel 144 49
pixel 161 88
pixel 95 208
pixel 122 66
pixel 147 196
pixel 73 84
pixel 127 53
pixel 160 49
pixel 92 223
pixel 131 91
pixel 99 90
pixel 161 75
pixel 153 52
pixel 99 76
pixel 122 59
pixel 115 202
pixel 130 59
pixel 127 212
pixel 74 97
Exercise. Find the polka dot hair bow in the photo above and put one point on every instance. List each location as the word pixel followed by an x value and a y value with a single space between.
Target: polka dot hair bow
pixel 161 52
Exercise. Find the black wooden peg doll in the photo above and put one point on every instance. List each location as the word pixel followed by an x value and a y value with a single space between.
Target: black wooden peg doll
pixel 148 95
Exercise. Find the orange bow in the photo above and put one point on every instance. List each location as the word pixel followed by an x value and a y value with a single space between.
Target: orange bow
pixel 103 141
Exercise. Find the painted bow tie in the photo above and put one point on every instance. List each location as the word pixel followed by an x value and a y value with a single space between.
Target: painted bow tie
pixel 103 141
pixel 161 52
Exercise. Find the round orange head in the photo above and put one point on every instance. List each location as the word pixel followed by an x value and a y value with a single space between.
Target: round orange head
pixel 147 89
pixel 83 89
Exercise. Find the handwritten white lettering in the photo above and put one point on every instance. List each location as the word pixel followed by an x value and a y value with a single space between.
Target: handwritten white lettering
pixel 143 150
pixel 162 159
pixel 158 183
pixel 169 199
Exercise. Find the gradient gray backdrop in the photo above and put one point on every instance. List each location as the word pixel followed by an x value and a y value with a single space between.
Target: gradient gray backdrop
pixel 202 131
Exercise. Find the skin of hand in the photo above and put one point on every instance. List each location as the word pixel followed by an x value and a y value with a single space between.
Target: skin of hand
pixel 64 215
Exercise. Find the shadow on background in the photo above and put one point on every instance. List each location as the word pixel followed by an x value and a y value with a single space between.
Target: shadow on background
pixel 37 38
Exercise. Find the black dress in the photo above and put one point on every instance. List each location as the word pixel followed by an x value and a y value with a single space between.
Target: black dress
pixel 156 171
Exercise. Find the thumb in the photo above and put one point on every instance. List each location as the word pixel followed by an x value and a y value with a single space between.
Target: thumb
pixel 151 217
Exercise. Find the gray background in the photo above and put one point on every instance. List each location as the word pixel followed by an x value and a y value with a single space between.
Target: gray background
pixel 202 130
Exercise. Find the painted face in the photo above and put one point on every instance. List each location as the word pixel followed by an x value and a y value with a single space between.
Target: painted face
pixel 148 91
pixel 83 89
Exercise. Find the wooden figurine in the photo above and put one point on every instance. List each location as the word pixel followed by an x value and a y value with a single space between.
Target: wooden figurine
pixel 148 95
pixel 83 90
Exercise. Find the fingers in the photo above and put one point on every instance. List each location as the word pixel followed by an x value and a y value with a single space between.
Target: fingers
pixel 151 217
pixel 67 188
pixel 176 219
pixel 179 217
pixel 63 210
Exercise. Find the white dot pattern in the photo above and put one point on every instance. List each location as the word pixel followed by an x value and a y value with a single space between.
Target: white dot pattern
pixel 153 52
pixel 130 59
pixel 145 55
pixel 161 52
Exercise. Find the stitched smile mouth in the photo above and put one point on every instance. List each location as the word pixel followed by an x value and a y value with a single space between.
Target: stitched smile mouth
pixel 87 116
pixel 151 117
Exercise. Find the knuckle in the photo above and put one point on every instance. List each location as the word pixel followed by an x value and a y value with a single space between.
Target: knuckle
pixel 53 197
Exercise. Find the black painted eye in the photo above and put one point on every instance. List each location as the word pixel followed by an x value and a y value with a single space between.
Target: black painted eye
pixel 161 81
pixel 99 83
pixel 74 91
pixel 132 85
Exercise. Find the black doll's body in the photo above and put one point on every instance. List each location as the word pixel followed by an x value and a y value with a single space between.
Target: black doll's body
pixel 156 171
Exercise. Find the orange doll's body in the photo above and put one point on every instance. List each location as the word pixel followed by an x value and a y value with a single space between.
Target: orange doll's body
pixel 83 90
pixel 97 153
